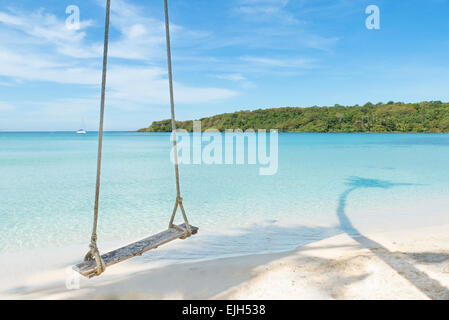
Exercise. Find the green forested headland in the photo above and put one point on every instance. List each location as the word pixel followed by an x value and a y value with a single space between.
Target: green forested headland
pixel 391 117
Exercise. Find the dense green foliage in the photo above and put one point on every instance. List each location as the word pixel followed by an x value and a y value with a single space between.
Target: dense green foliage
pixel 391 117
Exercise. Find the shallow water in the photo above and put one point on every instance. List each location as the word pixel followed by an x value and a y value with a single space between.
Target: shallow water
pixel 379 181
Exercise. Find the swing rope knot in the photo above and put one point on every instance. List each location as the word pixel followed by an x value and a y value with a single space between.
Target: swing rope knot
pixel 94 254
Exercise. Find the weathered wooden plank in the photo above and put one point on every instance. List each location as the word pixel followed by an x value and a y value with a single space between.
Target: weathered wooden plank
pixel 88 268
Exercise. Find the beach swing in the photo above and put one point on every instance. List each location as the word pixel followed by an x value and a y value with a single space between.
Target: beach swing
pixel 95 264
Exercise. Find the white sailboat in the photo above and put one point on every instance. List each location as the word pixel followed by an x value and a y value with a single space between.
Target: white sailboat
pixel 82 131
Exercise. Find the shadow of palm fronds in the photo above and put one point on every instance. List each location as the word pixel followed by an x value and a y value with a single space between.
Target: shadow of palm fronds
pixel 428 286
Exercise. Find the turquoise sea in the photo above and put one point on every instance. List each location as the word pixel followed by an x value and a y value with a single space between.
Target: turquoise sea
pixel 380 182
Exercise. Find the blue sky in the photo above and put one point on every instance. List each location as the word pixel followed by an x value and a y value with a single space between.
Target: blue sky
pixel 228 56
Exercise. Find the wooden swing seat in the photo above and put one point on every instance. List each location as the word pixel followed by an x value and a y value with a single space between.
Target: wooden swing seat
pixel 88 268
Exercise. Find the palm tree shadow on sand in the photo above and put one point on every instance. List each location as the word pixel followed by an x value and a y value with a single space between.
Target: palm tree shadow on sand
pixel 418 278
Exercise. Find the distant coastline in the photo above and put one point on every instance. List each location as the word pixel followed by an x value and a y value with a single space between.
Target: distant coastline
pixel 392 117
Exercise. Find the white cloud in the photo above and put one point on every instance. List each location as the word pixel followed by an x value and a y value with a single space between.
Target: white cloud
pixel 238 78
pixel 46 29
pixel 266 9
pixel 276 24
pixel 141 36
pixel 5 106
pixel 43 49
pixel 149 85
pixel 231 77
pixel 281 63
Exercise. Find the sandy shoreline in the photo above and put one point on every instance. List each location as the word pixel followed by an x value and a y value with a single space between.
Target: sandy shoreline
pixel 396 265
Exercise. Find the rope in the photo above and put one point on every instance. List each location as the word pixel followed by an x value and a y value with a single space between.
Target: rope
pixel 94 253
pixel 173 124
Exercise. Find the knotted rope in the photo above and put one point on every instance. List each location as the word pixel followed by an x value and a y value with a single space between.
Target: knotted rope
pixel 94 253
pixel 178 203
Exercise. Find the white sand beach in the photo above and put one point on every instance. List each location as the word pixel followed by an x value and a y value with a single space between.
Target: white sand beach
pixel 306 141
pixel 396 265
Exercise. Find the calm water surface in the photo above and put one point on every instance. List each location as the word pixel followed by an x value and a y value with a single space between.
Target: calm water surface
pixel 380 181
